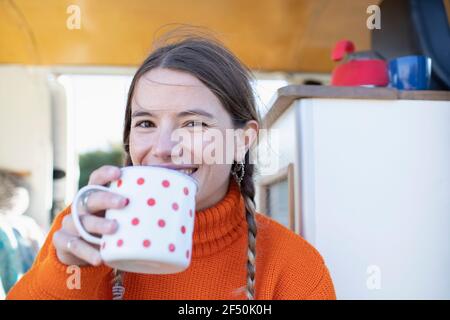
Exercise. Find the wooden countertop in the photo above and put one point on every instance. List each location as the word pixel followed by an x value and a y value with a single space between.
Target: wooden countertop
pixel 286 96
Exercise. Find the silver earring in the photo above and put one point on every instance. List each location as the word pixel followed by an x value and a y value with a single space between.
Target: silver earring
pixel 238 171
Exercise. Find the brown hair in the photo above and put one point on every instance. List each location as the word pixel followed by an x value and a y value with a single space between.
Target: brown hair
pixel 206 58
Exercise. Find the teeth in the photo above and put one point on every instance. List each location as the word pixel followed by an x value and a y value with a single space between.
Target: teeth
pixel 186 171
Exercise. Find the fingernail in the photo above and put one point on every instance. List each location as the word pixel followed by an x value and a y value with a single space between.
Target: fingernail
pixel 126 202
pixel 112 225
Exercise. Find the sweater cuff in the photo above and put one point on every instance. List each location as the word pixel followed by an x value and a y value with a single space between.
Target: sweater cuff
pixel 56 280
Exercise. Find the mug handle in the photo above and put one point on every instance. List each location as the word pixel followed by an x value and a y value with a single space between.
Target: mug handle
pixel 76 216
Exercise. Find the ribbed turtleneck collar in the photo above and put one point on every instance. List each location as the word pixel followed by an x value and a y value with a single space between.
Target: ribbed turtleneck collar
pixel 218 226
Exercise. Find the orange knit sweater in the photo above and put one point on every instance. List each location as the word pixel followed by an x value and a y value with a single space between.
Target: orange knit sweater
pixel 287 267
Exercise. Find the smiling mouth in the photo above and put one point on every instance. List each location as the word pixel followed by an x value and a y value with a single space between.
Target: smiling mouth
pixel 187 171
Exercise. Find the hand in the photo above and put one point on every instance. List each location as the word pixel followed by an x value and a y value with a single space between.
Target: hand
pixel 71 249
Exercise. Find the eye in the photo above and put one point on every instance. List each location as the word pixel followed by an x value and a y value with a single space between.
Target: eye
pixel 145 124
pixel 196 123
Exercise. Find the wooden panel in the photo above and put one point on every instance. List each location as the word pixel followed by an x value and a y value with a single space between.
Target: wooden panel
pixel 268 35
pixel 287 95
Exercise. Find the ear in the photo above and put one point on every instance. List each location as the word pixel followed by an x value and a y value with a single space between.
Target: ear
pixel 245 138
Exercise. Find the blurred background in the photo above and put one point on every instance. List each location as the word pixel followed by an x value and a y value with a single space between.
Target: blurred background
pixel 65 71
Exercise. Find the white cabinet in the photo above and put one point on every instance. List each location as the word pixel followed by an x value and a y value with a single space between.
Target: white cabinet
pixel 372 189
pixel 376 194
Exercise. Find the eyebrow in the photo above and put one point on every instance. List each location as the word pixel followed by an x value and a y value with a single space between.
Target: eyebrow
pixel 141 113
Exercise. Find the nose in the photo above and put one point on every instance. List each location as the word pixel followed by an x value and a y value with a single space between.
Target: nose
pixel 163 146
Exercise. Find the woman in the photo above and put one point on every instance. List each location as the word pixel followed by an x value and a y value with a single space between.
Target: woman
pixel 194 83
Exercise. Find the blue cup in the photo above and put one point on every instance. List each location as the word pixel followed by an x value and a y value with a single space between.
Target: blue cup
pixel 410 73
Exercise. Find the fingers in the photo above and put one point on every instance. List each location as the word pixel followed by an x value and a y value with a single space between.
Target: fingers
pixel 100 200
pixel 92 224
pixel 104 175
pixel 78 248
pixel 98 225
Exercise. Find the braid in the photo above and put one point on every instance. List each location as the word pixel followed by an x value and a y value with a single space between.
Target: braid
pixel 118 289
pixel 247 187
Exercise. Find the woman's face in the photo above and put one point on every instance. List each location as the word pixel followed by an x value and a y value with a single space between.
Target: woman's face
pixel 166 100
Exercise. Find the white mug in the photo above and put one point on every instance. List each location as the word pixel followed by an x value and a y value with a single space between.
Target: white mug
pixel 155 229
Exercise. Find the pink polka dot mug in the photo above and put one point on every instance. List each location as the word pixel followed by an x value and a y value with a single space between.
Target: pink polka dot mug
pixel 155 228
